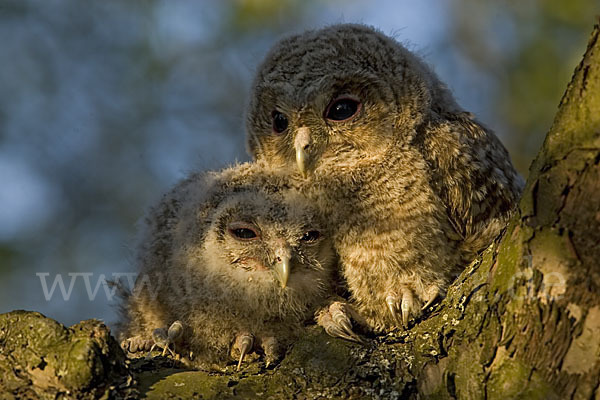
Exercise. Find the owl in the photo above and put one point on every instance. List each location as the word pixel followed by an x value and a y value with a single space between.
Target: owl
pixel 238 261
pixel 412 185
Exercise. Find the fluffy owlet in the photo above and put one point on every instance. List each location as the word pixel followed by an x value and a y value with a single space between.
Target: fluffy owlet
pixel 239 261
pixel 412 185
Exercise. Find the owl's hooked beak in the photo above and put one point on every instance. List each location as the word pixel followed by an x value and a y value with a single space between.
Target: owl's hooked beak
pixel 282 266
pixel 301 144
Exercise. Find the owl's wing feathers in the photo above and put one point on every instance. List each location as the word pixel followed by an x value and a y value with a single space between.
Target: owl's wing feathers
pixel 473 175
pixel 156 228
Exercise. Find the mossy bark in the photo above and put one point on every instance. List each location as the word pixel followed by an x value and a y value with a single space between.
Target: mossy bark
pixel 523 321
pixel 40 358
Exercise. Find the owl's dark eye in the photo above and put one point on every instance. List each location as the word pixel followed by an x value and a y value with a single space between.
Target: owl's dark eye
pixel 310 236
pixel 342 109
pixel 280 122
pixel 242 232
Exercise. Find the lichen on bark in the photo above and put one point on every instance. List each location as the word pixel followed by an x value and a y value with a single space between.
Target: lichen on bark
pixel 40 358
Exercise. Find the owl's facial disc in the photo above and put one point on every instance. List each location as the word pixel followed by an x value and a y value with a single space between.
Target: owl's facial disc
pixel 340 110
pixel 284 254
pixel 248 232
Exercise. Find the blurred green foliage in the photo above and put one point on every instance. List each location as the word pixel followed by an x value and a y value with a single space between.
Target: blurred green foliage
pixel 530 49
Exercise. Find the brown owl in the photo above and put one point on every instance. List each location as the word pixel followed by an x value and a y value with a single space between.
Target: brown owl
pixel 411 184
pixel 239 260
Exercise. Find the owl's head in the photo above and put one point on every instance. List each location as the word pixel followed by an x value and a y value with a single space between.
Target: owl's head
pixel 275 242
pixel 340 94
pixel 266 251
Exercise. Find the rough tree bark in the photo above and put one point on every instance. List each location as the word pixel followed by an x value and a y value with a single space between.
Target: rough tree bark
pixel 523 321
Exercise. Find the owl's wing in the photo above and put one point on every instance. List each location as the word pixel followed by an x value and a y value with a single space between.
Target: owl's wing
pixel 156 228
pixel 473 176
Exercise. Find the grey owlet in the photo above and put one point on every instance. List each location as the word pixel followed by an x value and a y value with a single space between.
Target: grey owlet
pixel 236 259
pixel 412 185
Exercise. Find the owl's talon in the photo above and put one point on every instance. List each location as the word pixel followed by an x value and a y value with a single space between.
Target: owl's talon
pixel 160 338
pixel 336 322
pixel 136 344
pixel 244 344
pixel 407 306
pixel 164 338
pixel 402 308
pixel 391 302
pixel 431 295
pixel 271 349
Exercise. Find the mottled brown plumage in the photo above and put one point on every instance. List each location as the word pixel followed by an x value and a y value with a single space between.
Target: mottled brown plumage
pixel 412 185
pixel 237 258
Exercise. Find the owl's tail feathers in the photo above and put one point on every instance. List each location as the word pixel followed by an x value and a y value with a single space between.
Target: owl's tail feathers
pixel 336 321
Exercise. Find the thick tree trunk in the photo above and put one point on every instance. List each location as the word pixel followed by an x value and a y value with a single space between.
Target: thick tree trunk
pixel 523 321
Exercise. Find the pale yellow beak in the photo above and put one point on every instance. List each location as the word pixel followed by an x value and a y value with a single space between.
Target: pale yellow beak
pixel 282 267
pixel 301 144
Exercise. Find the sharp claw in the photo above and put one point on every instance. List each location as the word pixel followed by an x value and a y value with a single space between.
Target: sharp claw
pixel 432 294
pixel 163 338
pixel 338 331
pixel 341 327
pixel 149 355
pixel 147 344
pixel 270 359
pixel 175 331
pixel 350 335
pixel 340 318
pixel 391 303
pixel 344 323
pixel 245 346
pixel 337 323
pixel 166 349
pixel 429 303
pixel 406 306
pixel 270 348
